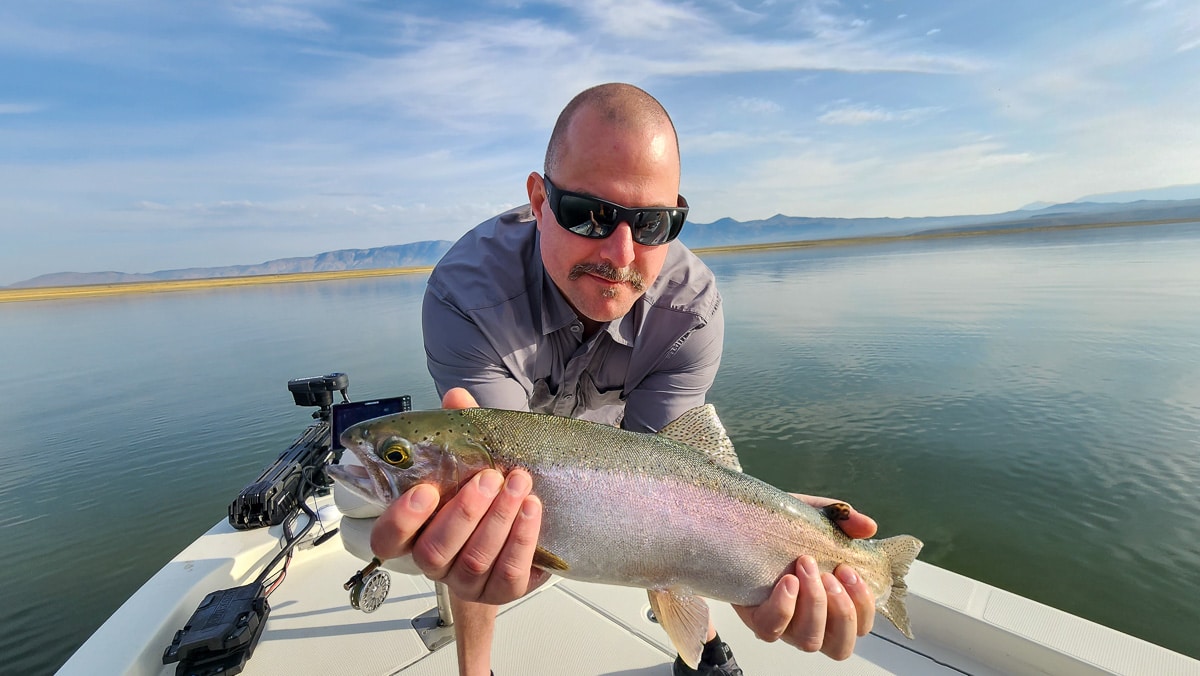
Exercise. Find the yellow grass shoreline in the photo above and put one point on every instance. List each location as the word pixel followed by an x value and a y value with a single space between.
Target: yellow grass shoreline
pixel 165 286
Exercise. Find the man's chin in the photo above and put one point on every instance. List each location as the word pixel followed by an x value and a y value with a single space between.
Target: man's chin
pixel 608 309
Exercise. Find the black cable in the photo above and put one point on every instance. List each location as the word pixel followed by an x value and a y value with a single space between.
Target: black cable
pixel 291 540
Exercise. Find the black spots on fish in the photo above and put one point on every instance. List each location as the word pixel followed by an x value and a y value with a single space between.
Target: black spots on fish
pixel 701 430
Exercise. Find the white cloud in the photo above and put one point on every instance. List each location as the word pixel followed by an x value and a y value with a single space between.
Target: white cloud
pixel 860 114
pixel 754 104
pixel 19 108
pixel 961 159
pixel 717 142
pixel 342 125
pixel 278 16
pixel 854 115
pixel 829 26
pixel 473 72
pixel 642 18
pixel 1179 19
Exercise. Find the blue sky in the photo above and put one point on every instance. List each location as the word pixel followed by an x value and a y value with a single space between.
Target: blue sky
pixel 140 136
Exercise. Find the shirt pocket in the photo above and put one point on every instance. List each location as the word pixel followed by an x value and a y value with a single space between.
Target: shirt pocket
pixel 596 405
pixel 542 400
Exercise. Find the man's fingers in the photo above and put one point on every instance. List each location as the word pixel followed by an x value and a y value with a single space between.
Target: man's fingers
pixel 860 595
pixel 857 525
pixel 511 575
pixel 434 552
pixel 770 619
pixel 469 574
pixel 457 398
pixel 807 631
pixel 394 530
pixel 840 622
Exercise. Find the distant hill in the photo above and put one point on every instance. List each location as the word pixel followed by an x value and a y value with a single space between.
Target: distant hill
pixel 780 228
pixel 1171 192
pixel 724 232
pixel 394 256
pixel 1092 213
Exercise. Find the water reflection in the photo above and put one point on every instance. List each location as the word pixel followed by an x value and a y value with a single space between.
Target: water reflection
pixel 1029 406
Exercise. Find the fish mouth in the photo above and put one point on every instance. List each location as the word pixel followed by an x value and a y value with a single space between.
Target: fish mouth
pixel 367 479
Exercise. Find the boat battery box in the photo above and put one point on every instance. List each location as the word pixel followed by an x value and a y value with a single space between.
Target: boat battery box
pixel 220 636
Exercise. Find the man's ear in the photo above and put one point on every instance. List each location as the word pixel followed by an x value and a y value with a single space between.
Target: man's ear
pixel 537 194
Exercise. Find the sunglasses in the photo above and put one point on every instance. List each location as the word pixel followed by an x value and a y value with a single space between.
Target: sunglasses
pixel 593 217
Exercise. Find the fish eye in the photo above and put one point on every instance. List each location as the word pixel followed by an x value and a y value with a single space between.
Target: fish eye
pixel 397 453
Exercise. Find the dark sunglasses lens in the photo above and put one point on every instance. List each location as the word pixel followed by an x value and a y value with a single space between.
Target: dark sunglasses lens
pixel 654 228
pixel 585 216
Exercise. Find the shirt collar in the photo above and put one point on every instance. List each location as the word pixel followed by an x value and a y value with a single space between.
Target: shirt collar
pixel 556 311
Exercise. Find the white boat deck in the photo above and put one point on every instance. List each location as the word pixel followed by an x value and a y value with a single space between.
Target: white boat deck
pixel 567 627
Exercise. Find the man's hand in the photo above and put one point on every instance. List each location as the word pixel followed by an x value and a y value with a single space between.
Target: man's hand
pixel 480 543
pixel 818 611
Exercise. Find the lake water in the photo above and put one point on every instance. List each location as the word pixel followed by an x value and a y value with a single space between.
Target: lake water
pixel 1028 405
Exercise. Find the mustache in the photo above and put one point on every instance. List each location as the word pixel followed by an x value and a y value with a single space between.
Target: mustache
pixel 606 270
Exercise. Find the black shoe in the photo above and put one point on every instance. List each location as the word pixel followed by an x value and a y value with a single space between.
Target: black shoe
pixel 715 660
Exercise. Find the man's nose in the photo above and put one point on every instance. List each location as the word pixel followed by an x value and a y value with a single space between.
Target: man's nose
pixel 618 248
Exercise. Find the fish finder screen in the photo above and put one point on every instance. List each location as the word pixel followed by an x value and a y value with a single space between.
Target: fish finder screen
pixel 350 413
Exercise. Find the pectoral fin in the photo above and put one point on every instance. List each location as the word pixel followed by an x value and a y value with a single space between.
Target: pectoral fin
pixel 684 616
pixel 548 560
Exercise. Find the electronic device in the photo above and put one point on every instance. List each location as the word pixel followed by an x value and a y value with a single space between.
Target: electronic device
pixel 220 636
pixel 300 470
pixel 348 413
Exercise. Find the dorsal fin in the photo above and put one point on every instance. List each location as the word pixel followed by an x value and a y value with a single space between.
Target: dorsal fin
pixel 701 429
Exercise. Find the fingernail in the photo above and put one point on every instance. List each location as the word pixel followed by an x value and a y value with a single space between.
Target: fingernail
pixel 517 483
pixel 422 497
pixel 791 587
pixel 832 586
pixel 847 575
pixel 531 508
pixel 809 565
pixel 489 483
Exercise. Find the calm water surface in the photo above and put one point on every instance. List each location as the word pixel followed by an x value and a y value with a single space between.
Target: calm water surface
pixel 1027 405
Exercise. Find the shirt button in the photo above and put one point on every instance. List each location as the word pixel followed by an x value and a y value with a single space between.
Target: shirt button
pixel 575 328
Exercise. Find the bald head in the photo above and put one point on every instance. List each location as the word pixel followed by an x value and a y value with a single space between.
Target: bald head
pixel 623 106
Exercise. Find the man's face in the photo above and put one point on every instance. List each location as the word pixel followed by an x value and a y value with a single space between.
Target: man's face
pixel 602 278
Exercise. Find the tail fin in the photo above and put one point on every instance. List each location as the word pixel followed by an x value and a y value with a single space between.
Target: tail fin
pixel 901 551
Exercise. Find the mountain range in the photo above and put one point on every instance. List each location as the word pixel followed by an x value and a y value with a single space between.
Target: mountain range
pixel 723 232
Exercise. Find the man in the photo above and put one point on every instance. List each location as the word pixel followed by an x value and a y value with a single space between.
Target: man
pixel 578 305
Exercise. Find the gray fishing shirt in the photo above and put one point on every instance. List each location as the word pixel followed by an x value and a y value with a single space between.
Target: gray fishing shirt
pixel 495 323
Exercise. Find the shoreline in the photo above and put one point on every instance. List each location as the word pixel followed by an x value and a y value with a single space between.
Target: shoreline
pixel 44 293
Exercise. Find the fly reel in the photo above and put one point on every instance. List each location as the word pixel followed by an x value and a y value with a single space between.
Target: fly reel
pixel 369 587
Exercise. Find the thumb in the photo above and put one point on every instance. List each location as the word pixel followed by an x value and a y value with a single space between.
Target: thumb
pixel 458 397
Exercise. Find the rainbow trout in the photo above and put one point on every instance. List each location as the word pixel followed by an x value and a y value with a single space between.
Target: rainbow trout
pixel 670 512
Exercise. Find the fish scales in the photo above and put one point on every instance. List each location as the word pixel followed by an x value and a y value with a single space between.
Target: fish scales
pixel 690 501
pixel 670 512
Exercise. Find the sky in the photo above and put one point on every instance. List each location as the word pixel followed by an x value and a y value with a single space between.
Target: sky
pixel 139 136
